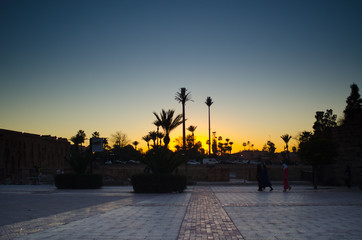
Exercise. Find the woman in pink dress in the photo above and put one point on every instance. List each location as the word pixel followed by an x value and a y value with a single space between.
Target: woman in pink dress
pixel 285 178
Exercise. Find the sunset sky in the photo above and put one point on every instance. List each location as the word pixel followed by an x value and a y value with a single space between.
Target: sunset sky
pixel 107 65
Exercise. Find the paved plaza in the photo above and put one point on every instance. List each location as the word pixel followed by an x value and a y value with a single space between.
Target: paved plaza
pixel 201 212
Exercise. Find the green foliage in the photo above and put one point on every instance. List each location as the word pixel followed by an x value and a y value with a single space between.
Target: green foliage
pixel 158 183
pixel 162 160
pixel 78 181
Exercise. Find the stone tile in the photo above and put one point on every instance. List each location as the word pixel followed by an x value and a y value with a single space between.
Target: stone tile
pixel 202 212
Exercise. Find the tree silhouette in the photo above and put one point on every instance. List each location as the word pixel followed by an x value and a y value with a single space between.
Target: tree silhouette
pixel 231 146
pixel 135 143
pixel 159 136
pixel 120 139
pixel 183 97
pixel 153 136
pixel 319 148
pixel 147 139
pixel 270 147
pixel 286 139
pixel 324 121
pixel 192 129
pixel 354 104
pixel 158 125
pixel 79 138
pixel 209 102
pixel 168 123
pixel 95 134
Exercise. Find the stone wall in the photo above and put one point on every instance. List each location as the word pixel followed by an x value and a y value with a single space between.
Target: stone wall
pixel 119 174
pixel 21 153
pixel 349 138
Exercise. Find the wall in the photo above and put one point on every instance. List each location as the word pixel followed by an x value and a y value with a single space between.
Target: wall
pixel 119 174
pixel 21 152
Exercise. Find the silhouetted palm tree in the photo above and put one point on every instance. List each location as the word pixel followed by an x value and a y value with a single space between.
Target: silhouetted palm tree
pixel 231 146
pixel 147 138
pixel 160 135
pixel 192 129
pixel 286 139
pixel 135 143
pixel 95 134
pixel 153 136
pixel 79 138
pixel 168 123
pixel 183 97
pixel 209 102
pixel 158 125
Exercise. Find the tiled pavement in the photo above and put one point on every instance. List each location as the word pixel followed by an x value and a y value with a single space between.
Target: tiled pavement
pixel 201 212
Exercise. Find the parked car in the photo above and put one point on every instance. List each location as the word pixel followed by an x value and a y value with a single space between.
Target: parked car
pixel 119 162
pixel 254 162
pixel 108 162
pixel 193 162
pixel 133 162
pixel 209 161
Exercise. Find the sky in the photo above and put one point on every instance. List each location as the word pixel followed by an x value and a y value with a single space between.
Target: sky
pixel 106 66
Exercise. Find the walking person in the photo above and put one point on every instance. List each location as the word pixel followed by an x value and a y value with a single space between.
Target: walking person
pixel 259 177
pixel 285 178
pixel 265 178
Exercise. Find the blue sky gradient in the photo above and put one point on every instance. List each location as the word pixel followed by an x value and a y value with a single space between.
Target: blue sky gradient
pixel 107 65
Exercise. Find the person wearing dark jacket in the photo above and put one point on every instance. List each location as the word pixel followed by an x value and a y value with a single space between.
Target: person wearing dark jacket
pixel 259 177
pixel 265 178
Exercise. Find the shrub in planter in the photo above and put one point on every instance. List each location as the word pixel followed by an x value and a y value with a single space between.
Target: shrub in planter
pixel 78 181
pixel 158 183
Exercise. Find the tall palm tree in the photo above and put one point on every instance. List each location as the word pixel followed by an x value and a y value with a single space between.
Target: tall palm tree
pixel 147 138
pixel 192 129
pixel 168 123
pixel 182 97
pixel 209 102
pixel 286 138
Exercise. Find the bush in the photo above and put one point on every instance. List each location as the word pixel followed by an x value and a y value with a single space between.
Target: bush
pixel 152 183
pixel 78 181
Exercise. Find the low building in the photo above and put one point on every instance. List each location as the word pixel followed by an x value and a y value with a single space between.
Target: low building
pixel 29 158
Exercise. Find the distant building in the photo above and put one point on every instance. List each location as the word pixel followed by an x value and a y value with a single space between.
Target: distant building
pixel 29 158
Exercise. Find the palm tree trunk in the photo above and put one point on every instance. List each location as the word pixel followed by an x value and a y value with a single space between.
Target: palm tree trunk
pixel 209 134
pixel 183 127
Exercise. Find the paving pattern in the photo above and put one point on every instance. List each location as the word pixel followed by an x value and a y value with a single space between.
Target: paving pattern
pixel 201 212
pixel 206 219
